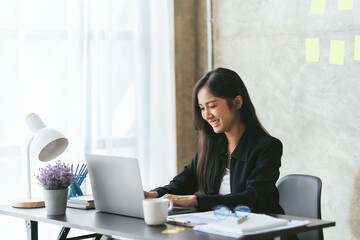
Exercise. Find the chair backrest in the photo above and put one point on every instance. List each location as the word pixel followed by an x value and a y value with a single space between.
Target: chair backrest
pixel 300 195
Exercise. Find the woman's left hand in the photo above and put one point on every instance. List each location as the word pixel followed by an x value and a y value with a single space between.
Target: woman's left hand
pixel 182 200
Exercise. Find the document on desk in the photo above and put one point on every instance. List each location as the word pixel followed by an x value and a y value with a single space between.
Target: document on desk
pixel 255 224
pixel 230 227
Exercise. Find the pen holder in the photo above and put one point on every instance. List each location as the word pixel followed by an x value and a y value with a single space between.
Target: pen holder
pixel 75 189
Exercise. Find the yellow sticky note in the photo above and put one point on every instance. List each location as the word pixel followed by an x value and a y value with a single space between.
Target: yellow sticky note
pixel 345 4
pixel 173 230
pixel 337 52
pixel 357 48
pixel 312 50
pixel 317 7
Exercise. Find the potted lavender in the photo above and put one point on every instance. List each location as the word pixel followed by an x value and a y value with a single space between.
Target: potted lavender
pixel 55 180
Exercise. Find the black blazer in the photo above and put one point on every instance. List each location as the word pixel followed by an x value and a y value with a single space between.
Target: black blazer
pixel 254 170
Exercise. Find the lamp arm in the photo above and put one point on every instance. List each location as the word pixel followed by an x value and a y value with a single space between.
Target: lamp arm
pixel 28 168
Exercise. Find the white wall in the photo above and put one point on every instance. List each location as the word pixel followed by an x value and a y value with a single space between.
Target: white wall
pixel 313 108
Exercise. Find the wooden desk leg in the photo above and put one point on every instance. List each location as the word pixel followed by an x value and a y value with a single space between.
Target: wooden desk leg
pixel 32 229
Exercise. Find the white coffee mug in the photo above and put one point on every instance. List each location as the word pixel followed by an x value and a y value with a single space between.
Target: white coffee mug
pixel 156 210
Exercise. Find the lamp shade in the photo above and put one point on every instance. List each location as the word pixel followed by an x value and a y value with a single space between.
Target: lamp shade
pixel 48 143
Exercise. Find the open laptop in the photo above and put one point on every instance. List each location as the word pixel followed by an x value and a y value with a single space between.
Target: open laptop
pixel 116 184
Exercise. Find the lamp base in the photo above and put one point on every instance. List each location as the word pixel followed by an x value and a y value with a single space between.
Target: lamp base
pixel 28 203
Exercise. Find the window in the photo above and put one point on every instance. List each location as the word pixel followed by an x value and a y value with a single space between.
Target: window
pixel 98 71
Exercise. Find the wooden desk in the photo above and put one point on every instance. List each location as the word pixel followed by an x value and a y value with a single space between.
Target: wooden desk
pixel 131 228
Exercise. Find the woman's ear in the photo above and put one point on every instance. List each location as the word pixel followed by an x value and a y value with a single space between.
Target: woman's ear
pixel 238 102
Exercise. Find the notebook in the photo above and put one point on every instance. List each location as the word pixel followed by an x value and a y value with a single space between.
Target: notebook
pixel 116 184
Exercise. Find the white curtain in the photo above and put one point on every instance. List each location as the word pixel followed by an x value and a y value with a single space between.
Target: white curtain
pixel 101 72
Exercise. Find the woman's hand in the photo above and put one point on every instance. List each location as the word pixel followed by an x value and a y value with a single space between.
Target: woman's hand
pixel 151 194
pixel 182 200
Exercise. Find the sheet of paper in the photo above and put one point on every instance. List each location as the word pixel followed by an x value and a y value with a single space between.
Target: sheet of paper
pixel 337 52
pixel 254 222
pixel 291 224
pixel 312 49
pixel 204 220
pixel 194 218
pixel 357 48
pixel 317 7
pixel 345 4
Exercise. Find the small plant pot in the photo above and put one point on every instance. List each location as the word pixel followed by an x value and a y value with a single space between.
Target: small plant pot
pixel 55 201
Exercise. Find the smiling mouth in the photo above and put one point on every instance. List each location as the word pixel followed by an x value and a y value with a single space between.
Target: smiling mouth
pixel 214 123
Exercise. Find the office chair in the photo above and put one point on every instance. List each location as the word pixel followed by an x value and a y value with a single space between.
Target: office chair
pixel 300 195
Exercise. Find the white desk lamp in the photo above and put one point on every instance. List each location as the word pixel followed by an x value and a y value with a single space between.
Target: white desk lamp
pixel 48 144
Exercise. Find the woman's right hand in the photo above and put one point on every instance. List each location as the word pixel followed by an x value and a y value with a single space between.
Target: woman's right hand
pixel 151 194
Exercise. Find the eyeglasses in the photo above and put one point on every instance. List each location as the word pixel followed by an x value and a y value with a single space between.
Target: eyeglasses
pixel 222 212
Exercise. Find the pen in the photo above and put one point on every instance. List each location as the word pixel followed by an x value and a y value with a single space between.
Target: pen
pixel 76 169
pixel 81 169
pixel 83 177
pixel 242 219
pixel 184 224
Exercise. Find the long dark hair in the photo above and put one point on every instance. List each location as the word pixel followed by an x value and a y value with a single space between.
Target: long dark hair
pixel 226 84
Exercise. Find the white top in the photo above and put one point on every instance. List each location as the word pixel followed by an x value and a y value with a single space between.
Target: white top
pixel 225 184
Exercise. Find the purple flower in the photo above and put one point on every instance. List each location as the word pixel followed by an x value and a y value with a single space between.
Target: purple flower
pixel 59 176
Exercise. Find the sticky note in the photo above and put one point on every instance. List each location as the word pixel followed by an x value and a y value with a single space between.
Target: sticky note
pixel 173 230
pixel 345 4
pixel 337 52
pixel 357 48
pixel 312 49
pixel 317 7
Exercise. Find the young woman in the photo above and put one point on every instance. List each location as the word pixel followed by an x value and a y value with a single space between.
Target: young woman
pixel 237 162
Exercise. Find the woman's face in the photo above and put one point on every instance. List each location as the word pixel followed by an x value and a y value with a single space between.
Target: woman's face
pixel 217 112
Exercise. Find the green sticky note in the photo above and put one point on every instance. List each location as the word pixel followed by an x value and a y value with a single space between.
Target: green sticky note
pixel 337 52
pixel 357 48
pixel 317 6
pixel 312 50
pixel 345 4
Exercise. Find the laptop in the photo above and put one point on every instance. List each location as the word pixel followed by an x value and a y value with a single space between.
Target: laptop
pixel 116 184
